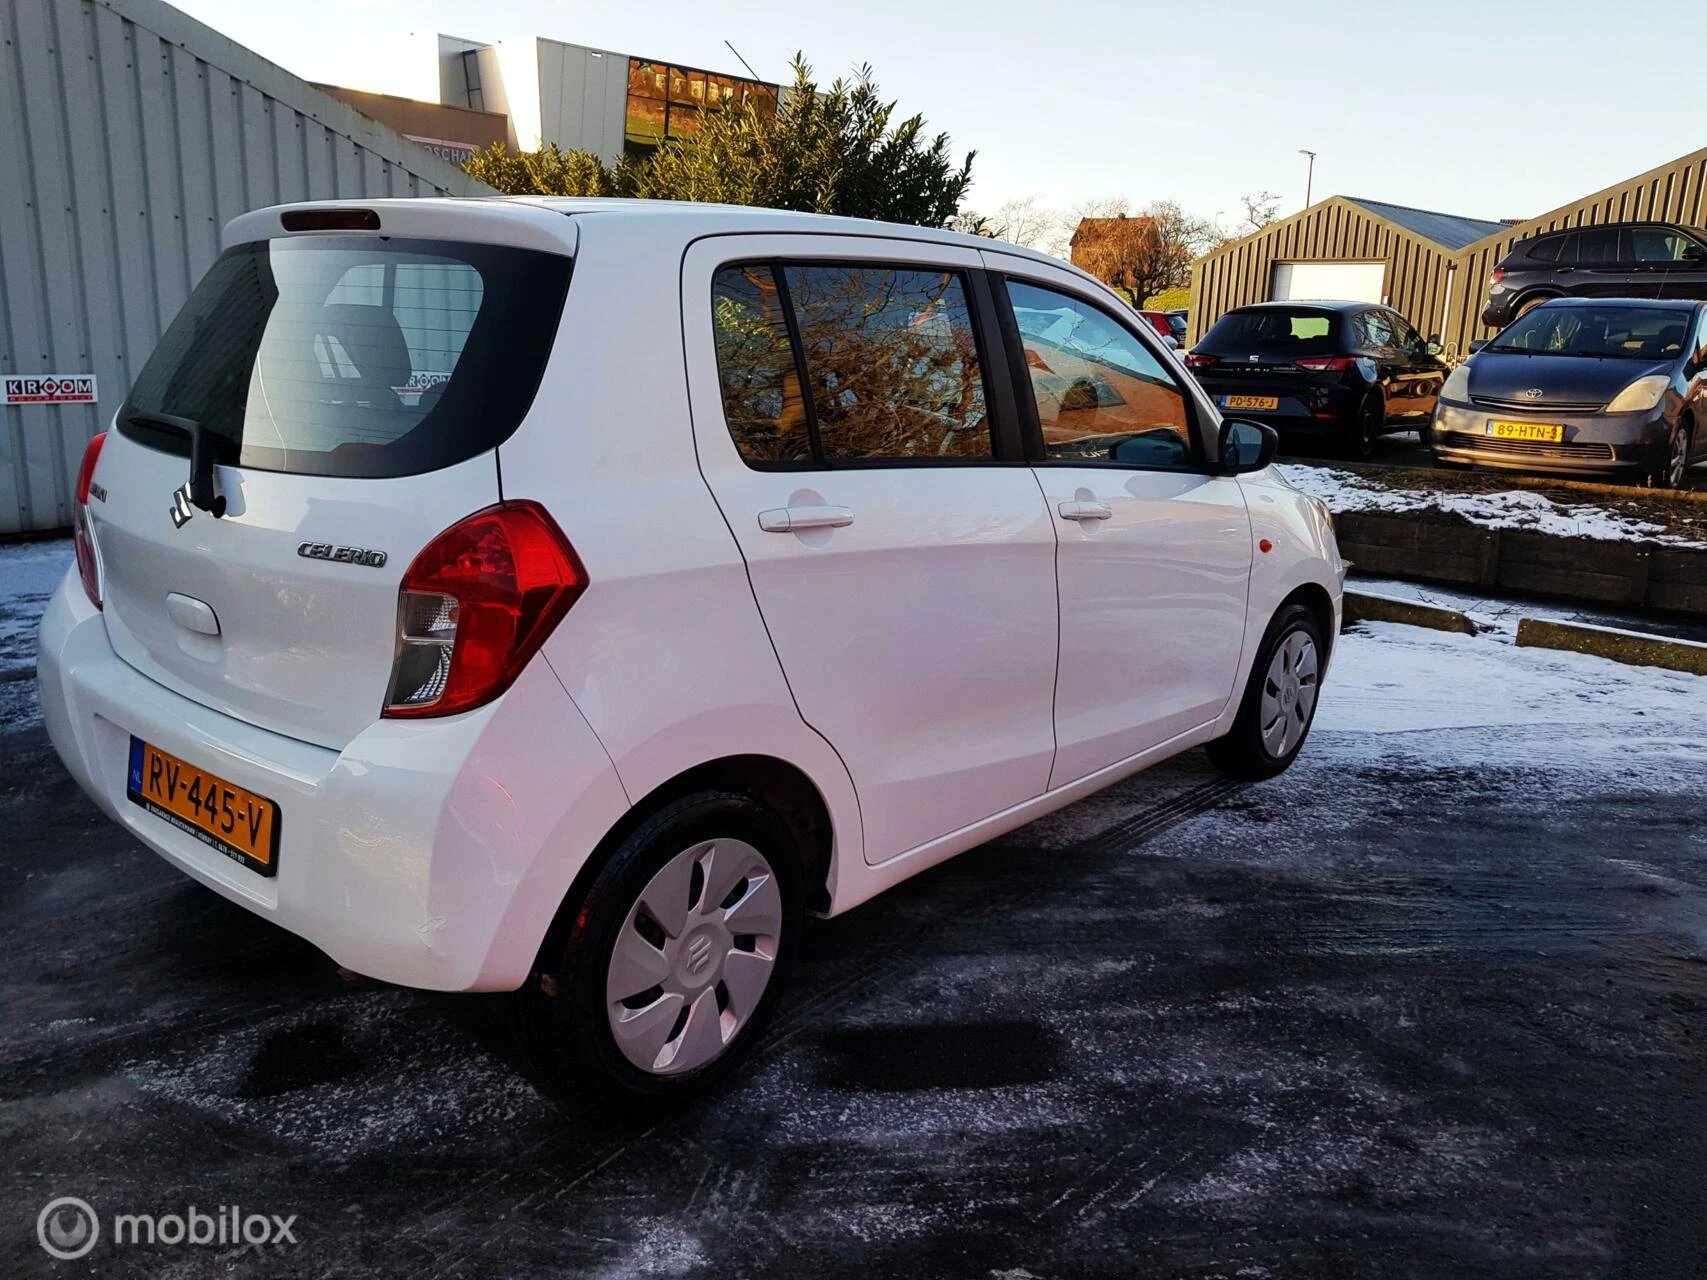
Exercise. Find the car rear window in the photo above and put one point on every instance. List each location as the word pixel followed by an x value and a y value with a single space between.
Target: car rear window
pixel 354 355
pixel 1303 331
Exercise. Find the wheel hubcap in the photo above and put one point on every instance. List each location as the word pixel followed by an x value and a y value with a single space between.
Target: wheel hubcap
pixel 1289 693
pixel 1679 460
pixel 694 957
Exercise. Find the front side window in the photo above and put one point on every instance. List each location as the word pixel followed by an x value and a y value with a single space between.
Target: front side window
pixel 1656 244
pixel 354 355
pixel 1101 395
pixel 891 362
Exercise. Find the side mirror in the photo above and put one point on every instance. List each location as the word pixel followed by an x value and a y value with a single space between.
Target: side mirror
pixel 1246 446
pixel 1476 344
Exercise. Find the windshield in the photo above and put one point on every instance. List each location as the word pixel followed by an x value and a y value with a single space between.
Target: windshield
pixel 1284 331
pixel 354 355
pixel 1636 333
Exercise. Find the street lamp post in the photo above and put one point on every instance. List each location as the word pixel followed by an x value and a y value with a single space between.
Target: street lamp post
pixel 1309 175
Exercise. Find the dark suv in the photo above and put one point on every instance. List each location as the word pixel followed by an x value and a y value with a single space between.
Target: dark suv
pixel 1621 260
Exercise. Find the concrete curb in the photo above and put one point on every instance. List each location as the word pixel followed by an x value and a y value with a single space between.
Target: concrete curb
pixel 1516 480
pixel 1631 647
pixel 1361 606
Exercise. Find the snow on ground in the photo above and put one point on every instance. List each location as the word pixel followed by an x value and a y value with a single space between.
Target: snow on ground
pixel 1512 509
pixel 29 572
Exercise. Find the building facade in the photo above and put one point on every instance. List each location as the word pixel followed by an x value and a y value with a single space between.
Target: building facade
pixel 131 135
pixel 1433 267
pixel 575 96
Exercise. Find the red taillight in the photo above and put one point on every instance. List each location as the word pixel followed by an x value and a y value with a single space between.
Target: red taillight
pixel 1499 274
pixel 1195 361
pixel 476 605
pixel 1325 364
pixel 82 536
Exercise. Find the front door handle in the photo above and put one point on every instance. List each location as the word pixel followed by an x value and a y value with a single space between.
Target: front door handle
pixel 1085 510
pixel 794 519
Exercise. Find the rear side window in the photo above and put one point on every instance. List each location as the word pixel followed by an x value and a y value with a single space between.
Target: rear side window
pixel 1597 245
pixel 1284 331
pixel 1545 250
pixel 821 364
pixel 355 355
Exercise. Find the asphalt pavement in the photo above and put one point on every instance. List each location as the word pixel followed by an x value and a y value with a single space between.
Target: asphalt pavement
pixel 1432 1004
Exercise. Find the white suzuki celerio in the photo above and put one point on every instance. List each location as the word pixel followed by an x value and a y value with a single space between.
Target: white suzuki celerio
pixel 571 595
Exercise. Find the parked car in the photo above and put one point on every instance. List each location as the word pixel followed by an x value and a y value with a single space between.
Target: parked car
pixel 1158 320
pixel 1177 323
pixel 1585 386
pixel 493 629
pixel 1344 372
pixel 1625 260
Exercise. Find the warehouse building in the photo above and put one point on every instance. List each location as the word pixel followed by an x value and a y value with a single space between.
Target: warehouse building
pixel 129 134
pixel 1432 267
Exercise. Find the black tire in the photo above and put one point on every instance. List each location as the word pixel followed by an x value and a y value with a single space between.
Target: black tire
pixel 1242 750
pixel 563 1007
pixel 1359 441
pixel 1672 470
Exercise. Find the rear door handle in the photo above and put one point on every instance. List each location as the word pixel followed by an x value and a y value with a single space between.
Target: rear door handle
pixel 794 519
pixel 1085 510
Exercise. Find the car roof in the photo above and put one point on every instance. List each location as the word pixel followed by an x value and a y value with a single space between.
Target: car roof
pixel 1317 304
pixel 1647 304
pixel 1605 226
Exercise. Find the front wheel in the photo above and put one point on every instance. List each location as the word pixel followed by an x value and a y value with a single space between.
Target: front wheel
pixel 1280 699
pixel 1674 468
pixel 676 956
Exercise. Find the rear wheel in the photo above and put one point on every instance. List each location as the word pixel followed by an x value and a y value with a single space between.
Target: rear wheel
pixel 1359 443
pixel 1280 699
pixel 677 955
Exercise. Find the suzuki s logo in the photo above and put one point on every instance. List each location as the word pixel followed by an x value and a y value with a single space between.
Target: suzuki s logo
pixel 341 555
pixel 699 954
pixel 1534 393
pixel 182 512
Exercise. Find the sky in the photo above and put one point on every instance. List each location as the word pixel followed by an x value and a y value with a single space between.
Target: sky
pixel 1496 109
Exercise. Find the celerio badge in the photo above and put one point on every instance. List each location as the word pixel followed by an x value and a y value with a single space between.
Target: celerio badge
pixel 342 555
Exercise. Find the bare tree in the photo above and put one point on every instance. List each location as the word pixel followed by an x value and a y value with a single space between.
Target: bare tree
pixel 1022 220
pixel 1261 208
pixel 1144 253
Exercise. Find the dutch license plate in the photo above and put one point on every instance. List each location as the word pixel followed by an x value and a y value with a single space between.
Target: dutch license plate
pixel 1550 432
pixel 1250 402
pixel 238 823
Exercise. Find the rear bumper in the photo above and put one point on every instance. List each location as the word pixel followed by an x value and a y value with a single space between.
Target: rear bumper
pixel 430 854
pixel 1594 444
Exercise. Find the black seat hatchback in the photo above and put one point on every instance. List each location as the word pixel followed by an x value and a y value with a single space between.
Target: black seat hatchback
pixel 1339 373
pixel 1619 260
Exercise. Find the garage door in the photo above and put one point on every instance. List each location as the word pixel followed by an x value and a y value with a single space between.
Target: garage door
pixel 1346 281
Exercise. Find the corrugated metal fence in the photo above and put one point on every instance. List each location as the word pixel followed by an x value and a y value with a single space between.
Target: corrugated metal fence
pixel 129 135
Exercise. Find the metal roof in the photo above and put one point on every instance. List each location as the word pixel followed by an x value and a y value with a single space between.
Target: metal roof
pixel 1446 229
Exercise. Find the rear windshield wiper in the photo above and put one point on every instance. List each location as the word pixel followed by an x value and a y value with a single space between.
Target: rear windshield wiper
pixel 202 493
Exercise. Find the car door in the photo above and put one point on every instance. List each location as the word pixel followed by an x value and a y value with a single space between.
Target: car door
pixel 1423 373
pixel 1155 553
pixel 1601 269
pixel 1675 263
pixel 1373 330
pixel 856 429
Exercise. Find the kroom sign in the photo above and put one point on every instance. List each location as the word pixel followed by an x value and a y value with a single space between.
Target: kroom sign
pixel 48 388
